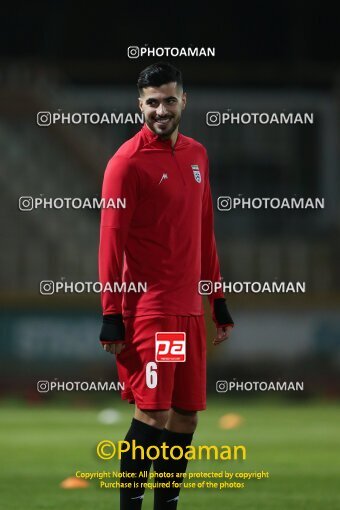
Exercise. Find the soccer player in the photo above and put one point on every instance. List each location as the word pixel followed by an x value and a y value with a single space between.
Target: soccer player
pixel 164 237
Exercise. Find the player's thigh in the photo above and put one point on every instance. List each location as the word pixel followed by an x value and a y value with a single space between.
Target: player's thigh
pixel 151 383
pixel 190 378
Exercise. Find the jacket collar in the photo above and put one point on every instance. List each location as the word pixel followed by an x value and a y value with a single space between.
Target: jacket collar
pixel 153 139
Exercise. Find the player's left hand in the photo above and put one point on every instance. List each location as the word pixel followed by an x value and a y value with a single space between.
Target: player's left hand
pixel 222 334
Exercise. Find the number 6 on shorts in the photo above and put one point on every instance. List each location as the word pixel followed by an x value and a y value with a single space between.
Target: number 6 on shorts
pixel 151 374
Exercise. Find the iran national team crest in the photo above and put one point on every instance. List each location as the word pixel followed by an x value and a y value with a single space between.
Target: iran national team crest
pixel 197 173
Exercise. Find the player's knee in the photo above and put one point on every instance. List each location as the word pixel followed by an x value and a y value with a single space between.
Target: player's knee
pixel 186 421
pixel 191 421
pixel 156 419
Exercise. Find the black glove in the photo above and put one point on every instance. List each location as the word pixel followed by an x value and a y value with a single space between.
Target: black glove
pixel 113 329
pixel 222 316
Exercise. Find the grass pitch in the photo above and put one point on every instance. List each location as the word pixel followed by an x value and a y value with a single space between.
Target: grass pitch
pixel 299 444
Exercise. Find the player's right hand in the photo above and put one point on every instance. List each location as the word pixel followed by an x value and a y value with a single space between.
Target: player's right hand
pixel 112 334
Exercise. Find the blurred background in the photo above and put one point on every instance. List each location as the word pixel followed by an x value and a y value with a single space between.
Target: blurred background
pixel 64 57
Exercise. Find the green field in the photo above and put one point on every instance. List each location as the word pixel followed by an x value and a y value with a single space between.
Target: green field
pixel 299 444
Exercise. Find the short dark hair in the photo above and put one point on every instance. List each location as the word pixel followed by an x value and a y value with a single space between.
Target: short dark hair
pixel 159 74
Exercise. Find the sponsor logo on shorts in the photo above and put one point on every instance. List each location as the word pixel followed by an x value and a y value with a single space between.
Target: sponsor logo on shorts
pixel 170 346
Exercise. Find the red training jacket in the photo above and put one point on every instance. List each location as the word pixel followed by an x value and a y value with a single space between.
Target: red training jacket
pixel 166 230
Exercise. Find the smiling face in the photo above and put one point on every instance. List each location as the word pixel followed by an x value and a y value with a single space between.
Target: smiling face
pixel 162 108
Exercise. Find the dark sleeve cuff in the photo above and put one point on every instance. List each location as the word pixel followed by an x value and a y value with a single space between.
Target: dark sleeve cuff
pixel 113 329
pixel 221 313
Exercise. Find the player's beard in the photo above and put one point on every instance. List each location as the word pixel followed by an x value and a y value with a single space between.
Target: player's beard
pixel 166 130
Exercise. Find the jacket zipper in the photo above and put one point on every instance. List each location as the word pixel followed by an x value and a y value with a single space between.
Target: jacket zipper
pixel 177 165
